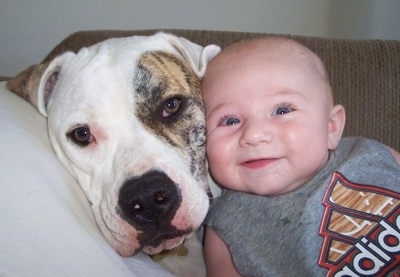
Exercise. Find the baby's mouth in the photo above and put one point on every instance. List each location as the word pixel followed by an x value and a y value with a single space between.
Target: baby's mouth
pixel 258 163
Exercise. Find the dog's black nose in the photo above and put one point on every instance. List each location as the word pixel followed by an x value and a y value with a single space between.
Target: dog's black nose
pixel 150 199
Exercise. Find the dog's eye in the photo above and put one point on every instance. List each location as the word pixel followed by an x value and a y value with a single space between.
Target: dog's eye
pixel 171 107
pixel 81 136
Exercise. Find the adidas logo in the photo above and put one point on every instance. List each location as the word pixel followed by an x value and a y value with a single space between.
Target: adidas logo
pixel 361 229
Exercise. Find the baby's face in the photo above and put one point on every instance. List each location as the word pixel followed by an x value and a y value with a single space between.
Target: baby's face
pixel 267 123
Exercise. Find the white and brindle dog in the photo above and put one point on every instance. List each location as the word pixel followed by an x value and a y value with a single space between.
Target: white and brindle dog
pixel 126 118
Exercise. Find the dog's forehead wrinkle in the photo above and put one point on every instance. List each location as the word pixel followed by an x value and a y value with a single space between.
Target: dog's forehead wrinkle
pixel 107 92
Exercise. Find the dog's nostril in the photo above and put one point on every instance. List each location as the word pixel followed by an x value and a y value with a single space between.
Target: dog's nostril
pixel 152 197
pixel 160 198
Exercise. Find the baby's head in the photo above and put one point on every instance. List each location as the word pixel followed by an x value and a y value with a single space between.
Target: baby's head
pixel 271 119
pixel 256 52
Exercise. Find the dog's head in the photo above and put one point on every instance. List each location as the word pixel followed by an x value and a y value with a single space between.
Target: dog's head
pixel 125 116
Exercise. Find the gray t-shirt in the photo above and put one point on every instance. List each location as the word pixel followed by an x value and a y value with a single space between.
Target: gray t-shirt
pixel 343 222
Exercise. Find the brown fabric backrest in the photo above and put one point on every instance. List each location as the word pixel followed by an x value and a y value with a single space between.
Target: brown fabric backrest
pixel 365 74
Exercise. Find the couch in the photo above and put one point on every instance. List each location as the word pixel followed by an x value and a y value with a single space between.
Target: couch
pixel 46 225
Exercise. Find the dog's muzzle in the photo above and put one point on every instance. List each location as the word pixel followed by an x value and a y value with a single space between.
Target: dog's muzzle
pixel 149 203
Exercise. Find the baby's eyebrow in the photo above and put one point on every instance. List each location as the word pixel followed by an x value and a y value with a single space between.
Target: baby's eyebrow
pixel 217 108
pixel 289 92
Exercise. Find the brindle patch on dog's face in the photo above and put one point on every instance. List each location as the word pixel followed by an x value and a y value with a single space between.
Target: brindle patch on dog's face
pixel 169 103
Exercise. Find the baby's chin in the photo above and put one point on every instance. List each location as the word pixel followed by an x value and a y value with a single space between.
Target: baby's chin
pixel 271 187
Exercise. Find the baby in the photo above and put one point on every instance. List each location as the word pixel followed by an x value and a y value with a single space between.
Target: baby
pixel 297 199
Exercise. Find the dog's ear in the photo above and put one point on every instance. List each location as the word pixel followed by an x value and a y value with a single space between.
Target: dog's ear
pixel 36 83
pixel 26 83
pixel 195 55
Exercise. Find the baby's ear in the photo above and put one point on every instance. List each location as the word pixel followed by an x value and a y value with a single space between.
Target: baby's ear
pixel 336 124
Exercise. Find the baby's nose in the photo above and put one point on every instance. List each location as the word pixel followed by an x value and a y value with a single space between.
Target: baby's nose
pixel 255 132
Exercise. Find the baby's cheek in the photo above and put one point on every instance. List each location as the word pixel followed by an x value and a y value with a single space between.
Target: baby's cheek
pixel 213 157
pixel 211 148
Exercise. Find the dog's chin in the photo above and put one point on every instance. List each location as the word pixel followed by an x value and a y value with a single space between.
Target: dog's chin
pixel 166 245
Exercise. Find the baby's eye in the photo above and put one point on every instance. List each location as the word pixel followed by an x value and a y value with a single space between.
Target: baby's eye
pixel 284 109
pixel 229 121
